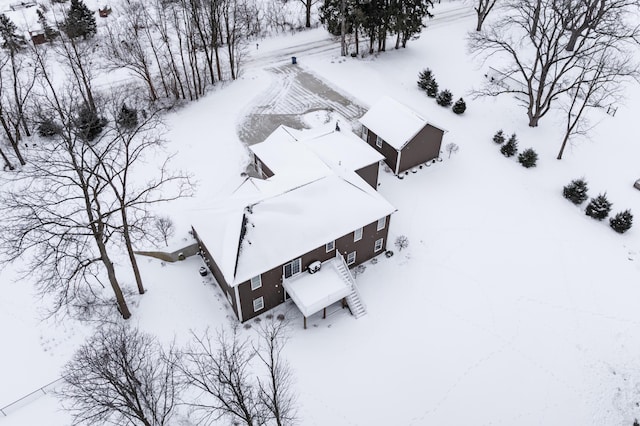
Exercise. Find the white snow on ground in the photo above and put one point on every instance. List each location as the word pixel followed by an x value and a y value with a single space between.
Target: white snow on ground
pixel 509 306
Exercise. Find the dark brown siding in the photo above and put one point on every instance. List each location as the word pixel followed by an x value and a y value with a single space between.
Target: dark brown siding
pixel 272 290
pixel 217 274
pixel 423 147
pixel 266 171
pixel 363 247
pixel 389 152
pixel 370 174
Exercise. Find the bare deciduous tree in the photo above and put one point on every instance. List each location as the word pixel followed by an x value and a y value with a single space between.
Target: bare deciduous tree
pixel 276 393
pixel 452 148
pixel 17 79
pixel 402 242
pixel 121 150
pixel 220 370
pixel 125 45
pixel 164 227
pixel 532 37
pixel 603 17
pixel 77 56
pixel 483 8
pixel 121 376
pixel 599 86
pixel 56 216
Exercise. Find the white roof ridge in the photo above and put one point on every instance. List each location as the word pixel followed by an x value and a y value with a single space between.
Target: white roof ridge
pixel 287 129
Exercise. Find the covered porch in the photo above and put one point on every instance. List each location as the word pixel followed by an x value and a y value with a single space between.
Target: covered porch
pixel 314 292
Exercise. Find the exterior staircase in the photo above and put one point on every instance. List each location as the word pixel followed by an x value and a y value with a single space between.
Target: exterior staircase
pixel 355 303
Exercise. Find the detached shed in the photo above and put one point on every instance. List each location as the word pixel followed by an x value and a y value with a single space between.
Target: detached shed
pixel 401 135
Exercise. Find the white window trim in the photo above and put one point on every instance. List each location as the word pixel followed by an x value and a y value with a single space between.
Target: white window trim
pixel 260 302
pixel 355 235
pixel 330 246
pixel 365 133
pixel 298 261
pixel 377 248
pixel 379 141
pixel 382 222
pixel 256 282
pixel 354 258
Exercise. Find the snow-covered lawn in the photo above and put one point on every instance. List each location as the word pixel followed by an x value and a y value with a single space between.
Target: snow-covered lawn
pixel 509 306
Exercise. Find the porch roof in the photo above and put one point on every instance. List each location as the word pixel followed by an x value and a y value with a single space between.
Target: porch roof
pixel 313 292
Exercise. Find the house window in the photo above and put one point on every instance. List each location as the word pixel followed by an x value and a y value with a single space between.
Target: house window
pixel 357 235
pixel 378 141
pixel 330 246
pixel 379 244
pixel 351 258
pixel 256 282
pixel 365 133
pixel 258 304
pixel 292 268
pixel 381 223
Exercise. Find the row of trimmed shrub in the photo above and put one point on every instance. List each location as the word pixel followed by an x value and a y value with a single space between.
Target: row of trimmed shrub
pixel 528 158
pixel 599 207
pixel 427 82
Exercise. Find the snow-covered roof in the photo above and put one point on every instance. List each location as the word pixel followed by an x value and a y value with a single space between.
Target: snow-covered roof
pixel 394 122
pixel 312 151
pixel 282 153
pixel 312 292
pixel 285 218
pixel 343 148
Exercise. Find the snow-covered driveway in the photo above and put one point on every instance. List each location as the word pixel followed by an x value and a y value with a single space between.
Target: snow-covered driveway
pixel 293 93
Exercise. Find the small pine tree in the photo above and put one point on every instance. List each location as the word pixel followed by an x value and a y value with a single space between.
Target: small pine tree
pixel 459 107
pixel 48 128
pixel 80 21
pixel 444 98
pixel 128 117
pixel 424 77
pixel 621 222
pixel 88 124
pixel 576 191
pixel 599 207
pixel 499 137
pixel 49 32
pixel 528 158
pixel 510 148
pixel 432 89
pixel 11 39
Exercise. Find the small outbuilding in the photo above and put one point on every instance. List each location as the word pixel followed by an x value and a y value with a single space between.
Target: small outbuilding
pixel 401 135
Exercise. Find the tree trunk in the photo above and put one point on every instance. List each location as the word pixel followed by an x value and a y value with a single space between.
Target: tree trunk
pixel 343 28
pixel 307 5
pixel 355 31
pixel 480 21
pixel 132 256
pixel 12 140
pixel 573 39
pixel 19 100
pixel 111 272
pixel 7 163
pixel 564 144
pixel 536 20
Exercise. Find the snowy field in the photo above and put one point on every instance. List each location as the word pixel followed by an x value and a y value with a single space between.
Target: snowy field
pixel 509 307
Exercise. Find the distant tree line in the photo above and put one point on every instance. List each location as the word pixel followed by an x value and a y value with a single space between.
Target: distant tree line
pixel 375 20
